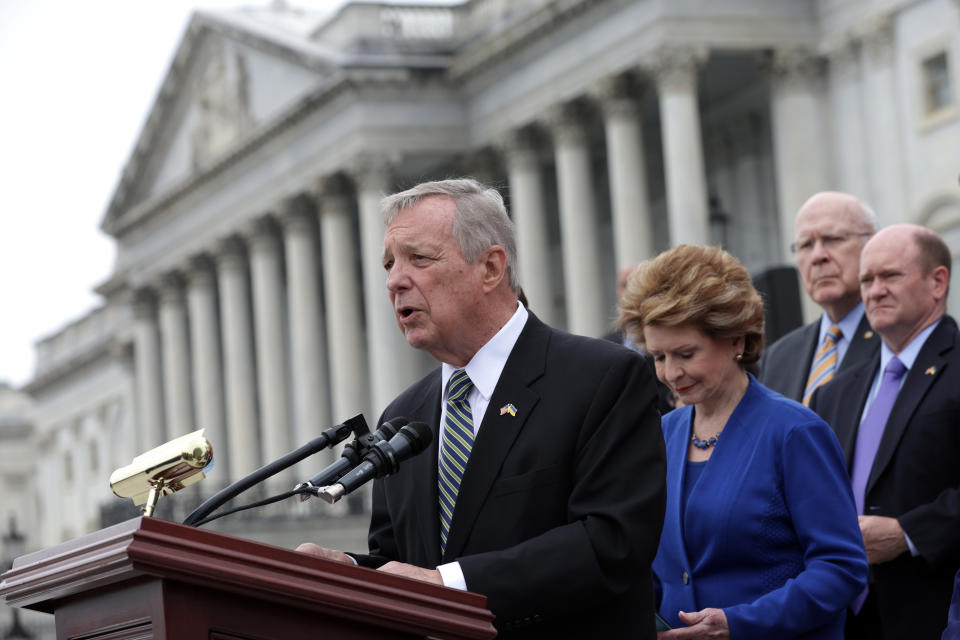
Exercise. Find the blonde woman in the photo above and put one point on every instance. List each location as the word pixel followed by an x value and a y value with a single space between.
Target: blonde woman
pixel 760 538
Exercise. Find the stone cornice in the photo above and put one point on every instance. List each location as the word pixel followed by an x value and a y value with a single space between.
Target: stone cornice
pixel 74 366
pixel 332 88
pixel 200 24
pixel 342 73
pixel 491 50
pixel 875 34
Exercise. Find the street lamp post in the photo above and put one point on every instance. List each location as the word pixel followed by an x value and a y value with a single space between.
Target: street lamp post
pixel 14 544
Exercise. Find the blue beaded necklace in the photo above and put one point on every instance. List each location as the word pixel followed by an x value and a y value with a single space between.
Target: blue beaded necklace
pixel 704 444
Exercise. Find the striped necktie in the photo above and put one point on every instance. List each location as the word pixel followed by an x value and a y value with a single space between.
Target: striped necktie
pixel 454 448
pixel 824 364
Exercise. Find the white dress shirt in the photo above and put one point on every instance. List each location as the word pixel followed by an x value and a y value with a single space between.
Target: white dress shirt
pixel 484 370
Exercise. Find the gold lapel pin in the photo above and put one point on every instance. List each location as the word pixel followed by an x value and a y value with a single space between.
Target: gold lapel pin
pixel 868 335
pixel 930 371
pixel 508 408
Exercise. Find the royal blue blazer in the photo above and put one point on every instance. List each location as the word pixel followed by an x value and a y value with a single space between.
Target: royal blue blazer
pixel 769 533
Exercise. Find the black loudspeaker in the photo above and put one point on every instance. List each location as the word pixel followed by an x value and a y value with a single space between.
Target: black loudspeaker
pixel 780 288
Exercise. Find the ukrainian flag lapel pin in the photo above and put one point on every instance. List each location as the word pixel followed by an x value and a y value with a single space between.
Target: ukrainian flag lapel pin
pixel 930 371
pixel 508 408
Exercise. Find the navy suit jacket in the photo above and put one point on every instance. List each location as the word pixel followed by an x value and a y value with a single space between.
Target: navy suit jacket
pixel 560 508
pixel 915 478
pixel 769 533
pixel 785 365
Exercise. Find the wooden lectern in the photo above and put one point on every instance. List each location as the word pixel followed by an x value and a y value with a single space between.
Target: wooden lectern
pixel 149 578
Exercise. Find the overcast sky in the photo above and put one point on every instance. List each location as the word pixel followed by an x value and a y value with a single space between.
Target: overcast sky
pixel 77 80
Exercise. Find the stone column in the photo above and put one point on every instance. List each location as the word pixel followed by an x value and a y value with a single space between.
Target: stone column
pixel 676 75
pixel 243 450
pixel 308 350
pixel 176 357
pixel 849 143
pixel 584 285
pixel 757 226
pixel 206 362
pixel 799 140
pixel 884 142
pixel 342 301
pixel 269 315
pixel 630 207
pixel 124 443
pixel 146 341
pixel 724 201
pixel 392 363
pixel 529 216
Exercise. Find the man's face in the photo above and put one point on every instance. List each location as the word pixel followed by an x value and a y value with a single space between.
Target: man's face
pixel 435 293
pixel 829 238
pixel 900 300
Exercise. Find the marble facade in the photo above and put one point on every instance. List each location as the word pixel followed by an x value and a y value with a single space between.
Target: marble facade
pixel 248 295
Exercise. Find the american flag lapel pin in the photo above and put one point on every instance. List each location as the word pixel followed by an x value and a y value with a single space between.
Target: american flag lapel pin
pixel 508 408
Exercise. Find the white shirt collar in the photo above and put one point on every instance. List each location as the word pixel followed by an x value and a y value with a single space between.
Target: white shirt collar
pixel 910 352
pixel 848 324
pixel 487 364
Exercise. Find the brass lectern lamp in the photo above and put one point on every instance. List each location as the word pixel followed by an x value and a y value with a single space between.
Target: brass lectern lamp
pixel 164 470
pixel 185 461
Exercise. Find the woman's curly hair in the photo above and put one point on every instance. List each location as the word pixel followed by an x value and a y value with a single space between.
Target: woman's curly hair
pixel 701 286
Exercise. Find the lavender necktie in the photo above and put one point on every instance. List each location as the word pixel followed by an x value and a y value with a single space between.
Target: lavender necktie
pixel 868 440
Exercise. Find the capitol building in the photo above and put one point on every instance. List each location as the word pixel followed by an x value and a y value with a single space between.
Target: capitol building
pixel 248 296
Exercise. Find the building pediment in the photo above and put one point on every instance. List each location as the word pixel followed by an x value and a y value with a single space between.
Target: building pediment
pixel 231 73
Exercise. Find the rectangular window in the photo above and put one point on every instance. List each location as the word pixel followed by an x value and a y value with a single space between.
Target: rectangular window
pixel 937 92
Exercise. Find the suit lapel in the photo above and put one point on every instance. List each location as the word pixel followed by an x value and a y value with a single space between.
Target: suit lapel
pixel 423 484
pixel 862 345
pixel 498 432
pixel 811 333
pixel 928 366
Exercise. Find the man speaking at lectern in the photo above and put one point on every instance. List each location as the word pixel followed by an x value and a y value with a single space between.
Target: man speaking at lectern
pixel 544 490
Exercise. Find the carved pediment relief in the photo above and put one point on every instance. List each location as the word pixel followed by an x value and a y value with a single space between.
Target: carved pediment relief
pixel 222 106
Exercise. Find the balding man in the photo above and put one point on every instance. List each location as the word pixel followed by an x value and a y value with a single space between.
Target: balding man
pixel 831 231
pixel 897 417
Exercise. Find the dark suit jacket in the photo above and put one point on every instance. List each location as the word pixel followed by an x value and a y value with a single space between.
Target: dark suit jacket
pixel 785 365
pixel 664 395
pixel 915 478
pixel 560 508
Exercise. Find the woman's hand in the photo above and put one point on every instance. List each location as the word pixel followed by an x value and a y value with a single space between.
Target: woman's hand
pixel 706 623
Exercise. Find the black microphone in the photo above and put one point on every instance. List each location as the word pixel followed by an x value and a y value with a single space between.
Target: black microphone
pixel 352 455
pixel 328 437
pixel 383 460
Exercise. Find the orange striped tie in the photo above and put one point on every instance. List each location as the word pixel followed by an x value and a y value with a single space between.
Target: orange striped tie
pixel 824 363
